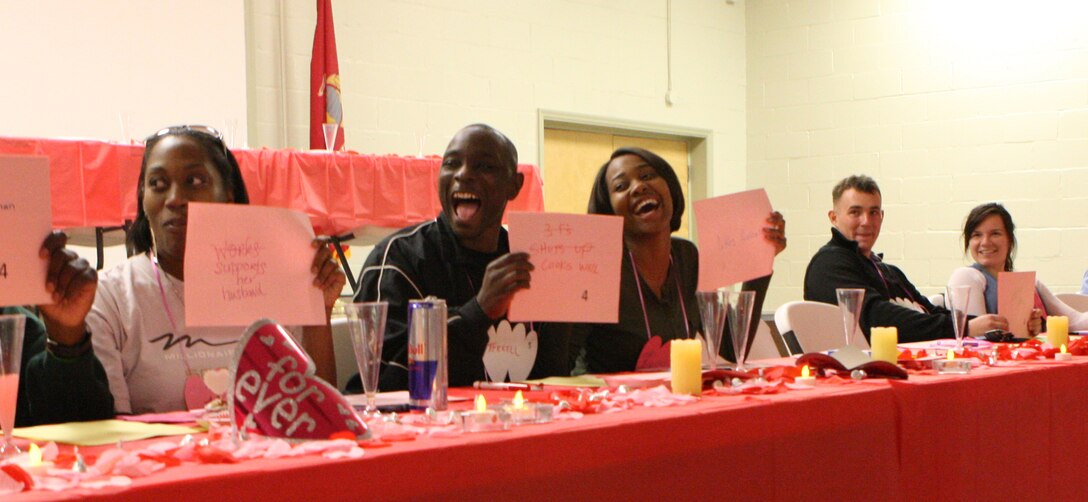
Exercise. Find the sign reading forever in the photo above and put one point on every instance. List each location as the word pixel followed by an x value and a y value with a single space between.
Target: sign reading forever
pixel 576 260
pixel 247 262
pixel 274 391
pixel 25 219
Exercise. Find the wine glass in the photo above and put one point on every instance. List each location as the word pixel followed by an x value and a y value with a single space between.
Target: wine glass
pixel 850 302
pixel 739 315
pixel 956 298
pixel 11 355
pixel 330 130
pixel 366 323
pixel 712 311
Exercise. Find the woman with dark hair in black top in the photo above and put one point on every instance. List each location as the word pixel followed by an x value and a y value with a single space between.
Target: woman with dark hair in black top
pixel 659 272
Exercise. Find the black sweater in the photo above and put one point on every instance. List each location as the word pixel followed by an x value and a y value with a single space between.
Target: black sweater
pixel 840 264
pixel 54 389
pixel 427 259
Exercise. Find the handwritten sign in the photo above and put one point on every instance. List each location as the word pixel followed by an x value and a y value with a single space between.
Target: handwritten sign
pixel 1016 300
pixel 247 262
pixel 576 260
pixel 25 219
pixel 732 248
pixel 275 393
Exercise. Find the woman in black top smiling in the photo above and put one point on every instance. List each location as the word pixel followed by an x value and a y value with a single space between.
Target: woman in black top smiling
pixel 659 272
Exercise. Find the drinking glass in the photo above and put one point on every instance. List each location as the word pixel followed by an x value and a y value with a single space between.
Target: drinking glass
pixel 739 314
pixel 956 298
pixel 850 301
pixel 712 311
pixel 366 323
pixel 330 131
pixel 11 355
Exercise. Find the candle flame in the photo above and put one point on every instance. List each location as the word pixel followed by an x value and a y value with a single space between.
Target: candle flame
pixel 1063 348
pixel 519 400
pixel 35 455
pixel 951 354
pixel 804 371
pixel 481 403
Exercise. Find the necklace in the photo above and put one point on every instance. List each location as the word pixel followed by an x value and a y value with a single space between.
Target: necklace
pixel 169 311
pixel 642 299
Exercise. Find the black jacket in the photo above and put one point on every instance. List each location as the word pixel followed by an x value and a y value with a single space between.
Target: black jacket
pixel 54 389
pixel 839 264
pixel 424 260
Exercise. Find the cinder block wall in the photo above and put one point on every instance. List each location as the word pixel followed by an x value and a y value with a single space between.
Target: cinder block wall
pixel 946 103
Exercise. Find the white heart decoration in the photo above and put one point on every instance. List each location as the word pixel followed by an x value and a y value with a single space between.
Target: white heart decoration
pixel 268 340
pixel 510 352
pixel 218 381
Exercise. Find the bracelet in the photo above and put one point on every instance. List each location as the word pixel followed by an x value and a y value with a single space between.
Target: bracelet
pixel 69 351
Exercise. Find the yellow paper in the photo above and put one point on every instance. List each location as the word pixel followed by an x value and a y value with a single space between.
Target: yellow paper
pixel 883 342
pixel 686 358
pixel 101 432
pixel 574 381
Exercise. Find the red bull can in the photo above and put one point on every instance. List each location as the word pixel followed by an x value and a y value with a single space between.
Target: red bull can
pixel 428 379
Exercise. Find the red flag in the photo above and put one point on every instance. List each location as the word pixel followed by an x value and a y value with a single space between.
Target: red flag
pixel 325 105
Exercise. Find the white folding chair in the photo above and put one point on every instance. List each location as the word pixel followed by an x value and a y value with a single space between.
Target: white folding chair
pixel 763 346
pixel 343 351
pixel 1078 301
pixel 812 327
pixel 937 300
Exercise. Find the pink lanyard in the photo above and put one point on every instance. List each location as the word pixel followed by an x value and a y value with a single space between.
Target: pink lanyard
pixel 642 300
pixel 169 313
pixel 887 287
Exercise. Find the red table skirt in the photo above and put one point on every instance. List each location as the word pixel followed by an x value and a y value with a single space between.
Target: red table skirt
pixel 93 184
pixel 1009 433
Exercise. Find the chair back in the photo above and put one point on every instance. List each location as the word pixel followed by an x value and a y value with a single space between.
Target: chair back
pixel 812 327
pixel 1077 301
pixel 937 300
pixel 763 346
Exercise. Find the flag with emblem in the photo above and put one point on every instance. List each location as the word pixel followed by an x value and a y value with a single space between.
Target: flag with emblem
pixel 325 106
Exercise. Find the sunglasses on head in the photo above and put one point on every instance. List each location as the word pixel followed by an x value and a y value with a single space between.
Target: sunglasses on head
pixel 199 129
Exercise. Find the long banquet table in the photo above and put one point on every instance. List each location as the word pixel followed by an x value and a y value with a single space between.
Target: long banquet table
pixel 93 184
pixel 1001 433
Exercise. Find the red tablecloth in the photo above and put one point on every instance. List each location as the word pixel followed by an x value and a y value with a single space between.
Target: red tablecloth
pixel 93 184
pixel 998 434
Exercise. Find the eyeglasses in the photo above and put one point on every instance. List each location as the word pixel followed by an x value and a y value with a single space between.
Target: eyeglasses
pixel 202 129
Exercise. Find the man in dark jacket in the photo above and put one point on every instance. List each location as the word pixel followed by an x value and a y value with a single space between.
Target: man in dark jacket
pixel 848 261
pixel 463 257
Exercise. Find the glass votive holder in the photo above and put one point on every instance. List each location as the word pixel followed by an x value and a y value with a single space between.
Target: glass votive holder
pixel 483 421
pixel 526 413
pixel 952 366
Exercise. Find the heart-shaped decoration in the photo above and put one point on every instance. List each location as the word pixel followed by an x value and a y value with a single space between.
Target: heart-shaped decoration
pixel 275 393
pixel 655 355
pixel 218 380
pixel 510 352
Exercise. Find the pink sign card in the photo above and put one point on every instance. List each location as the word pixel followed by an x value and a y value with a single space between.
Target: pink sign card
pixel 244 262
pixel 576 260
pixel 732 248
pixel 25 221
pixel 1016 300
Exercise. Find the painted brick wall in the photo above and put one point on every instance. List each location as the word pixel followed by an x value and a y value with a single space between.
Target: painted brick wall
pixel 947 104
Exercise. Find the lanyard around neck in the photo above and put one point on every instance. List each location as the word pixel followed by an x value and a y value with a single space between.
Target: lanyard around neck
pixel 169 312
pixel 642 299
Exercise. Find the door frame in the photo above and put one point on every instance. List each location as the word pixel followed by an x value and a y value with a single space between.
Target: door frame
pixel 700 144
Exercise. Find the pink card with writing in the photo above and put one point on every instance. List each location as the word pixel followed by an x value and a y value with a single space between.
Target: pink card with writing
pixel 1016 299
pixel 244 262
pixel 577 261
pixel 25 221
pixel 274 391
pixel 732 248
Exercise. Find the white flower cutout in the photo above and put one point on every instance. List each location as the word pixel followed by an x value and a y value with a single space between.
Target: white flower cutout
pixel 510 352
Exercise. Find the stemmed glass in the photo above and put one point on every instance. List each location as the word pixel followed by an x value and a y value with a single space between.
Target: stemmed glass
pixel 956 298
pixel 712 311
pixel 739 314
pixel 330 130
pixel 11 355
pixel 366 323
pixel 850 301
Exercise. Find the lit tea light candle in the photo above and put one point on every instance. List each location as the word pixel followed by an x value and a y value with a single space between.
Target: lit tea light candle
pixel 805 379
pixel 884 342
pixel 34 464
pixel 482 419
pixel 952 366
pixel 1064 355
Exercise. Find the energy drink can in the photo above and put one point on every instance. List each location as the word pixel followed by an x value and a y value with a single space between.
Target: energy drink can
pixel 427 375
